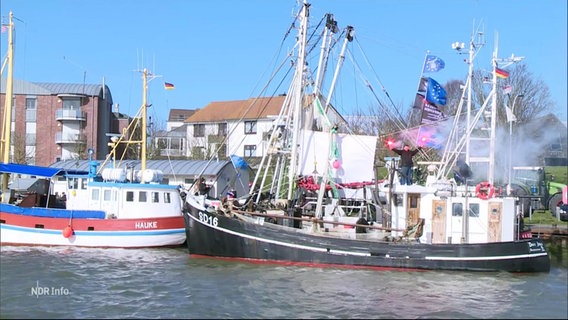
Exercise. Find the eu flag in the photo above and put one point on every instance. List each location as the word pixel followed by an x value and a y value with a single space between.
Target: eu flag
pixel 435 93
pixel 433 64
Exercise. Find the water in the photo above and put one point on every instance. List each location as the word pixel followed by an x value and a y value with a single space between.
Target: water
pixel 167 283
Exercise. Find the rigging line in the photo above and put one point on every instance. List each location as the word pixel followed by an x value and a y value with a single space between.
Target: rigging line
pixel 252 103
pixel 313 34
pixel 278 53
pixel 397 121
pixel 379 81
pixel 234 128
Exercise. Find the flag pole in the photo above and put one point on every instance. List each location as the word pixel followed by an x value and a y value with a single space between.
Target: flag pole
pixel 422 70
pixel 418 92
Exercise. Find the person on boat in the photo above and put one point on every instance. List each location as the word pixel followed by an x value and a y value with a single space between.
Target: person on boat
pixel 406 163
pixel 203 187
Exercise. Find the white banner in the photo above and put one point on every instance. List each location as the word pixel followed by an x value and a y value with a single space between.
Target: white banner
pixel 356 155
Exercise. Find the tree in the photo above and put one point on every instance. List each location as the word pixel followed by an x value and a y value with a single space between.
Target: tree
pixel 535 102
pixel 21 154
pixel 154 148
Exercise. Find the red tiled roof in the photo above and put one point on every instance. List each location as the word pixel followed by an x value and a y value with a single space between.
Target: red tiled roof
pixel 253 108
pixel 179 115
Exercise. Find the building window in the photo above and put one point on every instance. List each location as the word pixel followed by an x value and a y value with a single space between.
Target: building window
pixel 222 151
pixel 556 145
pixel 30 139
pixel 71 103
pixel 250 127
pixel 222 129
pixel 199 130
pixel 31 109
pixel 250 150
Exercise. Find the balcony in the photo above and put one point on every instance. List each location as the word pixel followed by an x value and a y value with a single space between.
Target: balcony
pixel 70 138
pixel 70 115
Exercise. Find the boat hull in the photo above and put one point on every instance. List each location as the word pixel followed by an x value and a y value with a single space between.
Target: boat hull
pixel 213 234
pixel 17 229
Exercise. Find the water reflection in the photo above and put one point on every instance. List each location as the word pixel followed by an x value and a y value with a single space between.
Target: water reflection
pixel 557 247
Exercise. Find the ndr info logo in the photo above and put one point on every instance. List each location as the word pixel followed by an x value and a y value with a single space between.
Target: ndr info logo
pixel 48 291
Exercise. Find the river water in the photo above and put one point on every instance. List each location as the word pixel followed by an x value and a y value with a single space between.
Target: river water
pixel 167 283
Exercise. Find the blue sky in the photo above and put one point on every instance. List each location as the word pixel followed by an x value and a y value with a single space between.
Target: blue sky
pixel 220 50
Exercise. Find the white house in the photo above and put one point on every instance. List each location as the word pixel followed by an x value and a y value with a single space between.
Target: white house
pixel 226 128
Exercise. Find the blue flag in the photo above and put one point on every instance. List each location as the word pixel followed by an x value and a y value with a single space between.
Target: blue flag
pixel 433 64
pixel 435 93
pixel 238 162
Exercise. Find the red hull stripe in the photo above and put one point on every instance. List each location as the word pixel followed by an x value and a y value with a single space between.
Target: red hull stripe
pixel 304 264
pixel 90 225
pixel 117 232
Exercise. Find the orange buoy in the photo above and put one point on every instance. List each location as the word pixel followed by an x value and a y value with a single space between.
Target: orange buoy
pixel 67 232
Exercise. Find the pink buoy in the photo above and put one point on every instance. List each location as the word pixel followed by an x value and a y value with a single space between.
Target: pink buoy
pixel 67 232
pixel 336 164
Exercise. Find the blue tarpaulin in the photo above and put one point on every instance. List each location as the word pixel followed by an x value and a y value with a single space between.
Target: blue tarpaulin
pixel 28 169
pixel 238 162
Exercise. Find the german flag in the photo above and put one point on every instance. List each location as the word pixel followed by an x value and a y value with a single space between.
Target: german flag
pixel 501 73
pixel 168 86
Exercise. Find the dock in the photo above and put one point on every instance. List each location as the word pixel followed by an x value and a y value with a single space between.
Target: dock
pixel 546 231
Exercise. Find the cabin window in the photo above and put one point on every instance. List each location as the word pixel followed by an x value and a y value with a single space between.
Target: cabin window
pixel 73 183
pixel 457 209
pixel 84 184
pixel 250 150
pixel 107 195
pixel 95 194
pixel 142 196
pixel 250 127
pixel 397 200
pixel 474 210
pixel 167 197
pixel 413 202
pixel 129 196
pixel 155 197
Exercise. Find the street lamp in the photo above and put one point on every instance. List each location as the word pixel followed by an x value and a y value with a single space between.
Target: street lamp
pixel 511 119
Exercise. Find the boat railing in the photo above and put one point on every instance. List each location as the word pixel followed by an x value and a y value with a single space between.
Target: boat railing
pixel 312 220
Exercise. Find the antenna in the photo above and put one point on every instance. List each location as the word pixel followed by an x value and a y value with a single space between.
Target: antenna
pixel 80 67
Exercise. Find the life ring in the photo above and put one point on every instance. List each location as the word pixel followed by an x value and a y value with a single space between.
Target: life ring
pixel 484 190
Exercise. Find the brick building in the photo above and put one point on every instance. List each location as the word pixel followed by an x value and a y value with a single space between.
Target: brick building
pixel 60 121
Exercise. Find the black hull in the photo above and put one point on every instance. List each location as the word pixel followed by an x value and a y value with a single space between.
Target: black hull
pixel 217 235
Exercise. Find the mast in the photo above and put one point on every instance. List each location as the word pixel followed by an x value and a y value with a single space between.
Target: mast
pixel 6 132
pixel 491 173
pixel 298 98
pixel 331 131
pixel 144 101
